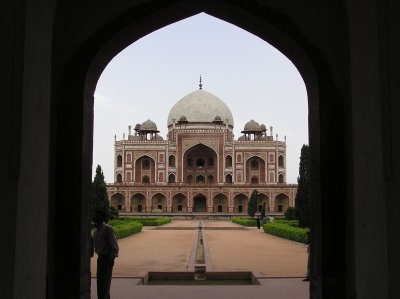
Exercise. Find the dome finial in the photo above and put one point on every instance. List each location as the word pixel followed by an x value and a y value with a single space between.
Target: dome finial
pixel 200 85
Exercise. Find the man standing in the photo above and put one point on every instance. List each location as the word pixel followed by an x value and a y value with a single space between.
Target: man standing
pixel 106 247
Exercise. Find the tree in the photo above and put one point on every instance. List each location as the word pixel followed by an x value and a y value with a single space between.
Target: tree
pixel 264 208
pixel 302 199
pixel 252 206
pixel 99 200
pixel 291 214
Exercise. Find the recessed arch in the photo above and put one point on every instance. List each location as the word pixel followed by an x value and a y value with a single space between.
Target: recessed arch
pixel 119 160
pixel 220 203
pixel 119 178
pixel 171 161
pixel 158 203
pixel 171 178
pixel 117 201
pixel 138 202
pixel 199 202
pixel 179 203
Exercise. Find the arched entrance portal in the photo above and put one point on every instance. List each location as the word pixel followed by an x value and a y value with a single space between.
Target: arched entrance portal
pixel 304 40
pixel 199 203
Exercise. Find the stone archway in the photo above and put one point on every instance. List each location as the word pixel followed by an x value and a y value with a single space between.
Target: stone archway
pixel 240 202
pixel 117 201
pixel 220 203
pixel 179 203
pixel 77 69
pixel 199 203
pixel 158 203
pixel 138 203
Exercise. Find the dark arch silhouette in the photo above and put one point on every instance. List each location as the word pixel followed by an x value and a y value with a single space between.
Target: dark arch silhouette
pixel 77 69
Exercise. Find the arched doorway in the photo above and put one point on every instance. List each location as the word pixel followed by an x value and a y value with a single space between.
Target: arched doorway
pixel 118 201
pixel 220 203
pixel 158 203
pixel 179 203
pixel 240 203
pixel 138 203
pixel 281 203
pixel 199 203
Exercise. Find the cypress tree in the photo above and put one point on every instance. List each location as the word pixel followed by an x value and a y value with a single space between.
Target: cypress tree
pixel 99 200
pixel 252 206
pixel 303 191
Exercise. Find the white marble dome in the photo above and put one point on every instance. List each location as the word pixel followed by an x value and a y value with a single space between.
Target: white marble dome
pixel 200 106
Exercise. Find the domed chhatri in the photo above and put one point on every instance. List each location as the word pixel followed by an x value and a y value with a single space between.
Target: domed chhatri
pixel 200 106
pixel 148 125
pixel 251 126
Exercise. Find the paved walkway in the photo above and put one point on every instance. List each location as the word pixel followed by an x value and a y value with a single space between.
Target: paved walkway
pixel 229 246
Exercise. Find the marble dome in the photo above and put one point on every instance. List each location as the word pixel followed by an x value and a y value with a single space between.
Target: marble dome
pixel 200 106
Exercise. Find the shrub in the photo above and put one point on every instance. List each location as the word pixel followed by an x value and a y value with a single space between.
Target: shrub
pixel 114 213
pixel 294 223
pixel 245 221
pixel 152 221
pixel 125 227
pixel 290 214
pixel 286 231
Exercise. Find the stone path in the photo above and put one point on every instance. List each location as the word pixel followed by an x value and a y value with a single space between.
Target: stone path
pixel 230 247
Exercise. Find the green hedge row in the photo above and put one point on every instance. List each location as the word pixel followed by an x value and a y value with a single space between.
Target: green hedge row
pixel 287 232
pixel 124 228
pixel 152 221
pixel 294 223
pixel 245 221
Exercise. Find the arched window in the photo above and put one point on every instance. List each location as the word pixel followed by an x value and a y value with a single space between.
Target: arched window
pixel 146 164
pixel 119 161
pixel 200 179
pixel 171 161
pixel 171 178
pixel 228 161
pixel 200 162
pixel 210 162
pixel 210 179
pixel 254 180
pixel 145 179
pixel 228 179
pixel 190 179
pixel 119 178
pixel 281 179
pixel 280 161
pixel 254 164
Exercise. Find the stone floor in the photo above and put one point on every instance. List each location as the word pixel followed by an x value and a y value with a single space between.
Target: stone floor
pixel 279 263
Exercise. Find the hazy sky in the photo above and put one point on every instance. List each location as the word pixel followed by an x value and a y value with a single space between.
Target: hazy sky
pixel 254 79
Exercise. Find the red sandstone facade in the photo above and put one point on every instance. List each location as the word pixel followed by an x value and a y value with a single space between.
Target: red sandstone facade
pixel 200 168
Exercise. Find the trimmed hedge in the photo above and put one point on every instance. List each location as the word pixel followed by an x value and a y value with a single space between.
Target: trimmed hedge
pixel 287 232
pixel 152 221
pixel 125 227
pixel 294 223
pixel 245 221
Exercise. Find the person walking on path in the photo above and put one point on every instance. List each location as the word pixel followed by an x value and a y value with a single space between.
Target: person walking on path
pixel 258 222
pixel 106 247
